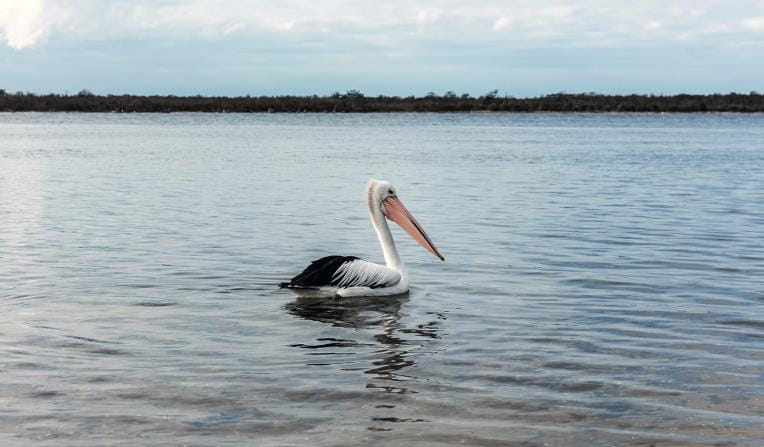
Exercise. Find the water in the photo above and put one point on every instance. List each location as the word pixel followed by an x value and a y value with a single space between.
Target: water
pixel 603 282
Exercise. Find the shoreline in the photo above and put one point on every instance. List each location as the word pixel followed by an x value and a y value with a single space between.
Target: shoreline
pixel 356 102
pixel 471 112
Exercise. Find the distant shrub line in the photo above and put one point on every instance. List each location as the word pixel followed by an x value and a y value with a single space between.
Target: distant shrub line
pixel 355 101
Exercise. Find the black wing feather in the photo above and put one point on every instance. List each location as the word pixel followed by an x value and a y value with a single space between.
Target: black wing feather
pixel 319 273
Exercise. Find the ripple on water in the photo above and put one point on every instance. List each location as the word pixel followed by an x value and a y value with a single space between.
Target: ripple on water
pixel 602 284
pixel 156 303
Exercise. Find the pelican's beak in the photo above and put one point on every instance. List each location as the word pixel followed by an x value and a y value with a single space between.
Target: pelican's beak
pixel 395 211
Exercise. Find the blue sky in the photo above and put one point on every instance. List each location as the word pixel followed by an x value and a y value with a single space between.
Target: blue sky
pixel 521 48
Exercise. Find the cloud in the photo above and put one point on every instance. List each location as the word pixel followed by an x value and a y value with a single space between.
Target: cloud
pixel 559 11
pixel 285 25
pixel 22 23
pixel 428 16
pixel 232 28
pixel 652 25
pixel 501 23
pixel 27 23
pixel 754 24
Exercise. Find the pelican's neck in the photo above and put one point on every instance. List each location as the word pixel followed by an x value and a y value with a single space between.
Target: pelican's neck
pixel 392 260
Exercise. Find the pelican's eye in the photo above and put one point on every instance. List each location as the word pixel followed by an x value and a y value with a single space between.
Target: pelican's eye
pixel 390 191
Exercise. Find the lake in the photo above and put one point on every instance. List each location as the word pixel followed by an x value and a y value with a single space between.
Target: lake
pixel 602 284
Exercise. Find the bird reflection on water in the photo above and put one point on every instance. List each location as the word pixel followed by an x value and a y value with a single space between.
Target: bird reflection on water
pixel 380 341
pixel 398 342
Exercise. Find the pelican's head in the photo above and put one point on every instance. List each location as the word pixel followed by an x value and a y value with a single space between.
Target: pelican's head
pixel 382 196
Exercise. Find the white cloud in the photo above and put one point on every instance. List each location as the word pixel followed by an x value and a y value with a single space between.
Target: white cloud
pixel 652 25
pixel 26 23
pixel 22 23
pixel 754 24
pixel 427 16
pixel 501 23
pixel 285 25
pixel 232 28
pixel 559 11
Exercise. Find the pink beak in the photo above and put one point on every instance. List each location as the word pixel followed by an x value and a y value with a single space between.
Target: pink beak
pixel 395 211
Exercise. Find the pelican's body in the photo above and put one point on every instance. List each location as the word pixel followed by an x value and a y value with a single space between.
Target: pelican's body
pixel 348 276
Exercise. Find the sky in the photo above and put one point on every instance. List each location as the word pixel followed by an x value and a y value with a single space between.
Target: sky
pixel 393 47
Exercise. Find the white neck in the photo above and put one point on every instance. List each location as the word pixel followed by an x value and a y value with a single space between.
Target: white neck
pixel 392 260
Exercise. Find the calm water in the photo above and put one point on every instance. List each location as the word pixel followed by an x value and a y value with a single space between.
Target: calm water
pixel 603 283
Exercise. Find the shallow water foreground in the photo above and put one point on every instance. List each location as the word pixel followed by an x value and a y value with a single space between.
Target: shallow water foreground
pixel 603 283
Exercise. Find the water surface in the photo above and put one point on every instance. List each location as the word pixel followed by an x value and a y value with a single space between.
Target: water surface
pixel 603 282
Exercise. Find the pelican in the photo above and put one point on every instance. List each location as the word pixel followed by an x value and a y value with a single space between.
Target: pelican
pixel 349 276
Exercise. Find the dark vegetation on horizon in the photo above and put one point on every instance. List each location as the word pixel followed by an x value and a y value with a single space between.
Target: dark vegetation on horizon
pixel 355 101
